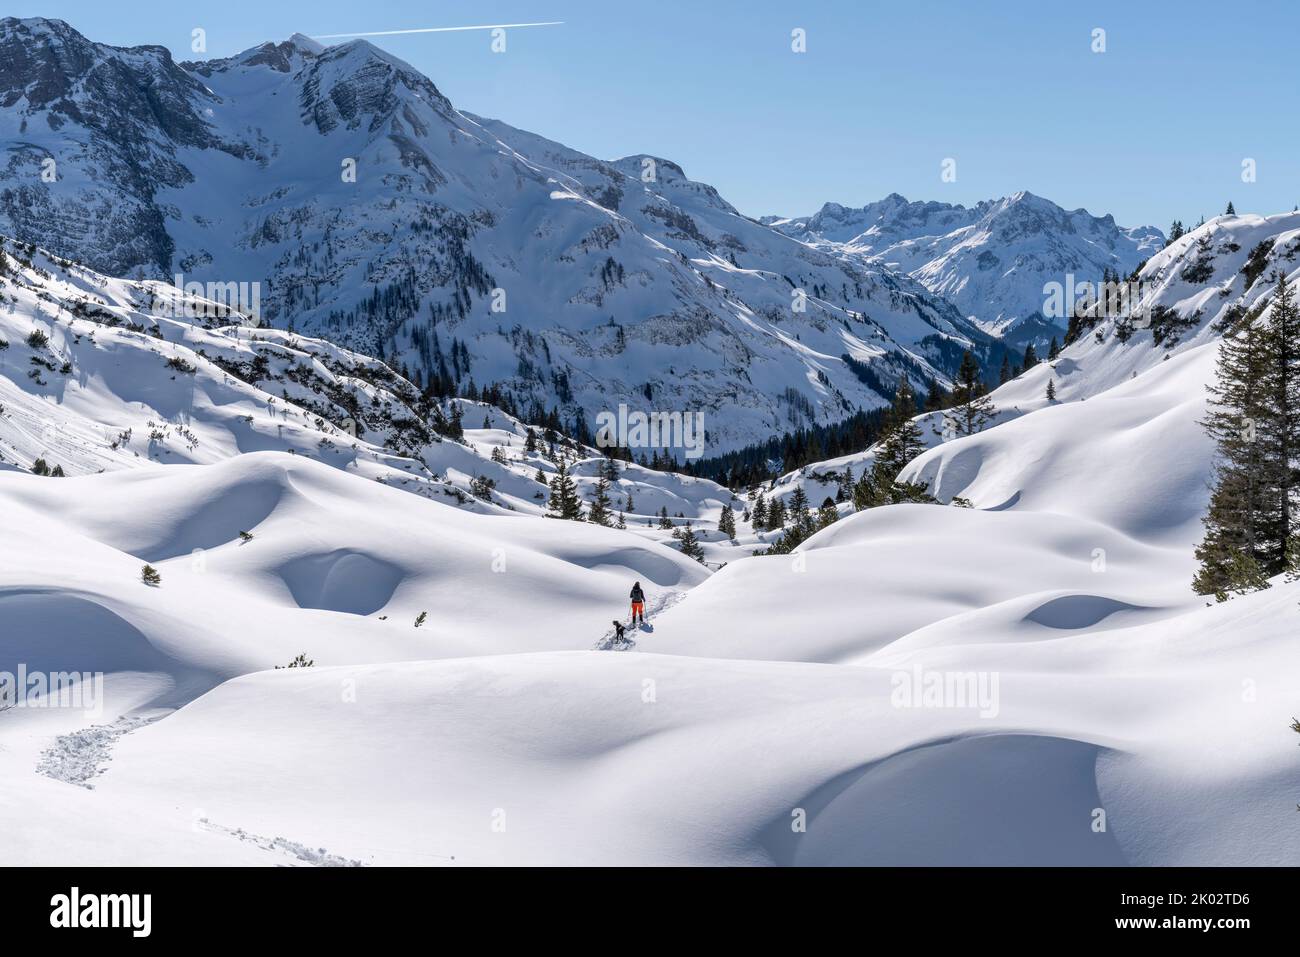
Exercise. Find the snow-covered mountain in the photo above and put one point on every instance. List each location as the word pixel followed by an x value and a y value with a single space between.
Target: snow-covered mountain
pixel 1027 680
pixel 375 214
pixel 456 712
pixel 1156 359
pixel 104 375
pixel 992 259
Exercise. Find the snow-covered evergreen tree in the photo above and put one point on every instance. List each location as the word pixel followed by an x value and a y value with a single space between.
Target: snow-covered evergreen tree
pixel 727 522
pixel 902 442
pixel 689 543
pixel 827 514
pixel 564 502
pixel 1254 418
pixel 776 515
pixel 601 510
pixel 972 409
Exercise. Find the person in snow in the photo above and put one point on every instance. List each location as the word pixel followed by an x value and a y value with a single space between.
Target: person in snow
pixel 638 603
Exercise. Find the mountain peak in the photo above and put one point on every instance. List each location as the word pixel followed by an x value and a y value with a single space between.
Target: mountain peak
pixel 634 164
pixel 1024 199
pixel 282 56
pixel 38 26
pixel 306 44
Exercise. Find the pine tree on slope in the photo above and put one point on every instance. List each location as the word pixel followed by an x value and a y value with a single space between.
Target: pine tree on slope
pixel 1031 358
pixel 972 409
pixel 689 544
pixel 601 509
pixel 1278 431
pixel 902 443
pixel 564 502
pixel 727 522
pixel 1254 418
pixel 827 514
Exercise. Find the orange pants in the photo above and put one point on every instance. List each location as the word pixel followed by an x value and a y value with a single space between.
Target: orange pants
pixel 638 608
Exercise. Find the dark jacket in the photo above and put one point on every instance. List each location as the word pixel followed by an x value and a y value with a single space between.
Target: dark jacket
pixel 637 593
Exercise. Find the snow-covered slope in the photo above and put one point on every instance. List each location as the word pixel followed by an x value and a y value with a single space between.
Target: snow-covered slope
pixel 565 758
pixel 375 214
pixel 100 374
pixel 1130 389
pixel 1027 681
pixel 1147 374
pixel 1137 711
pixel 992 260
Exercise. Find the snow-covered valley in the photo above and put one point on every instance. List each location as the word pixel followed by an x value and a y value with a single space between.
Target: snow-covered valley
pixel 775 690
pixel 308 610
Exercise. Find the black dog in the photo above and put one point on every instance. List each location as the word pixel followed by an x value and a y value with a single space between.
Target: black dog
pixel 618 631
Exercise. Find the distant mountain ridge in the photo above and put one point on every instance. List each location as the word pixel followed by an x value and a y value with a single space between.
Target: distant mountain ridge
pixel 991 260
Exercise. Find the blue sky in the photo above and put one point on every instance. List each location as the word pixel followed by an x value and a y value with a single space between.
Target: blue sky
pixel 1154 128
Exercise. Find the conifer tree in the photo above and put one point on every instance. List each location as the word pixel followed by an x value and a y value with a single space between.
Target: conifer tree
pixel 902 443
pixel 564 502
pixel 1054 350
pixel 799 506
pixel 601 504
pixel 844 490
pixel 1051 390
pixel 972 408
pixel 760 513
pixel 1031 358
pixel 727 522
pixel 1254 418
pixel 776 515
pixel 688 543
pixel 664 520
pixel 1278 429
pixel 1228 555
pixel 826 515
pixel 865 494
pixel 935 397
